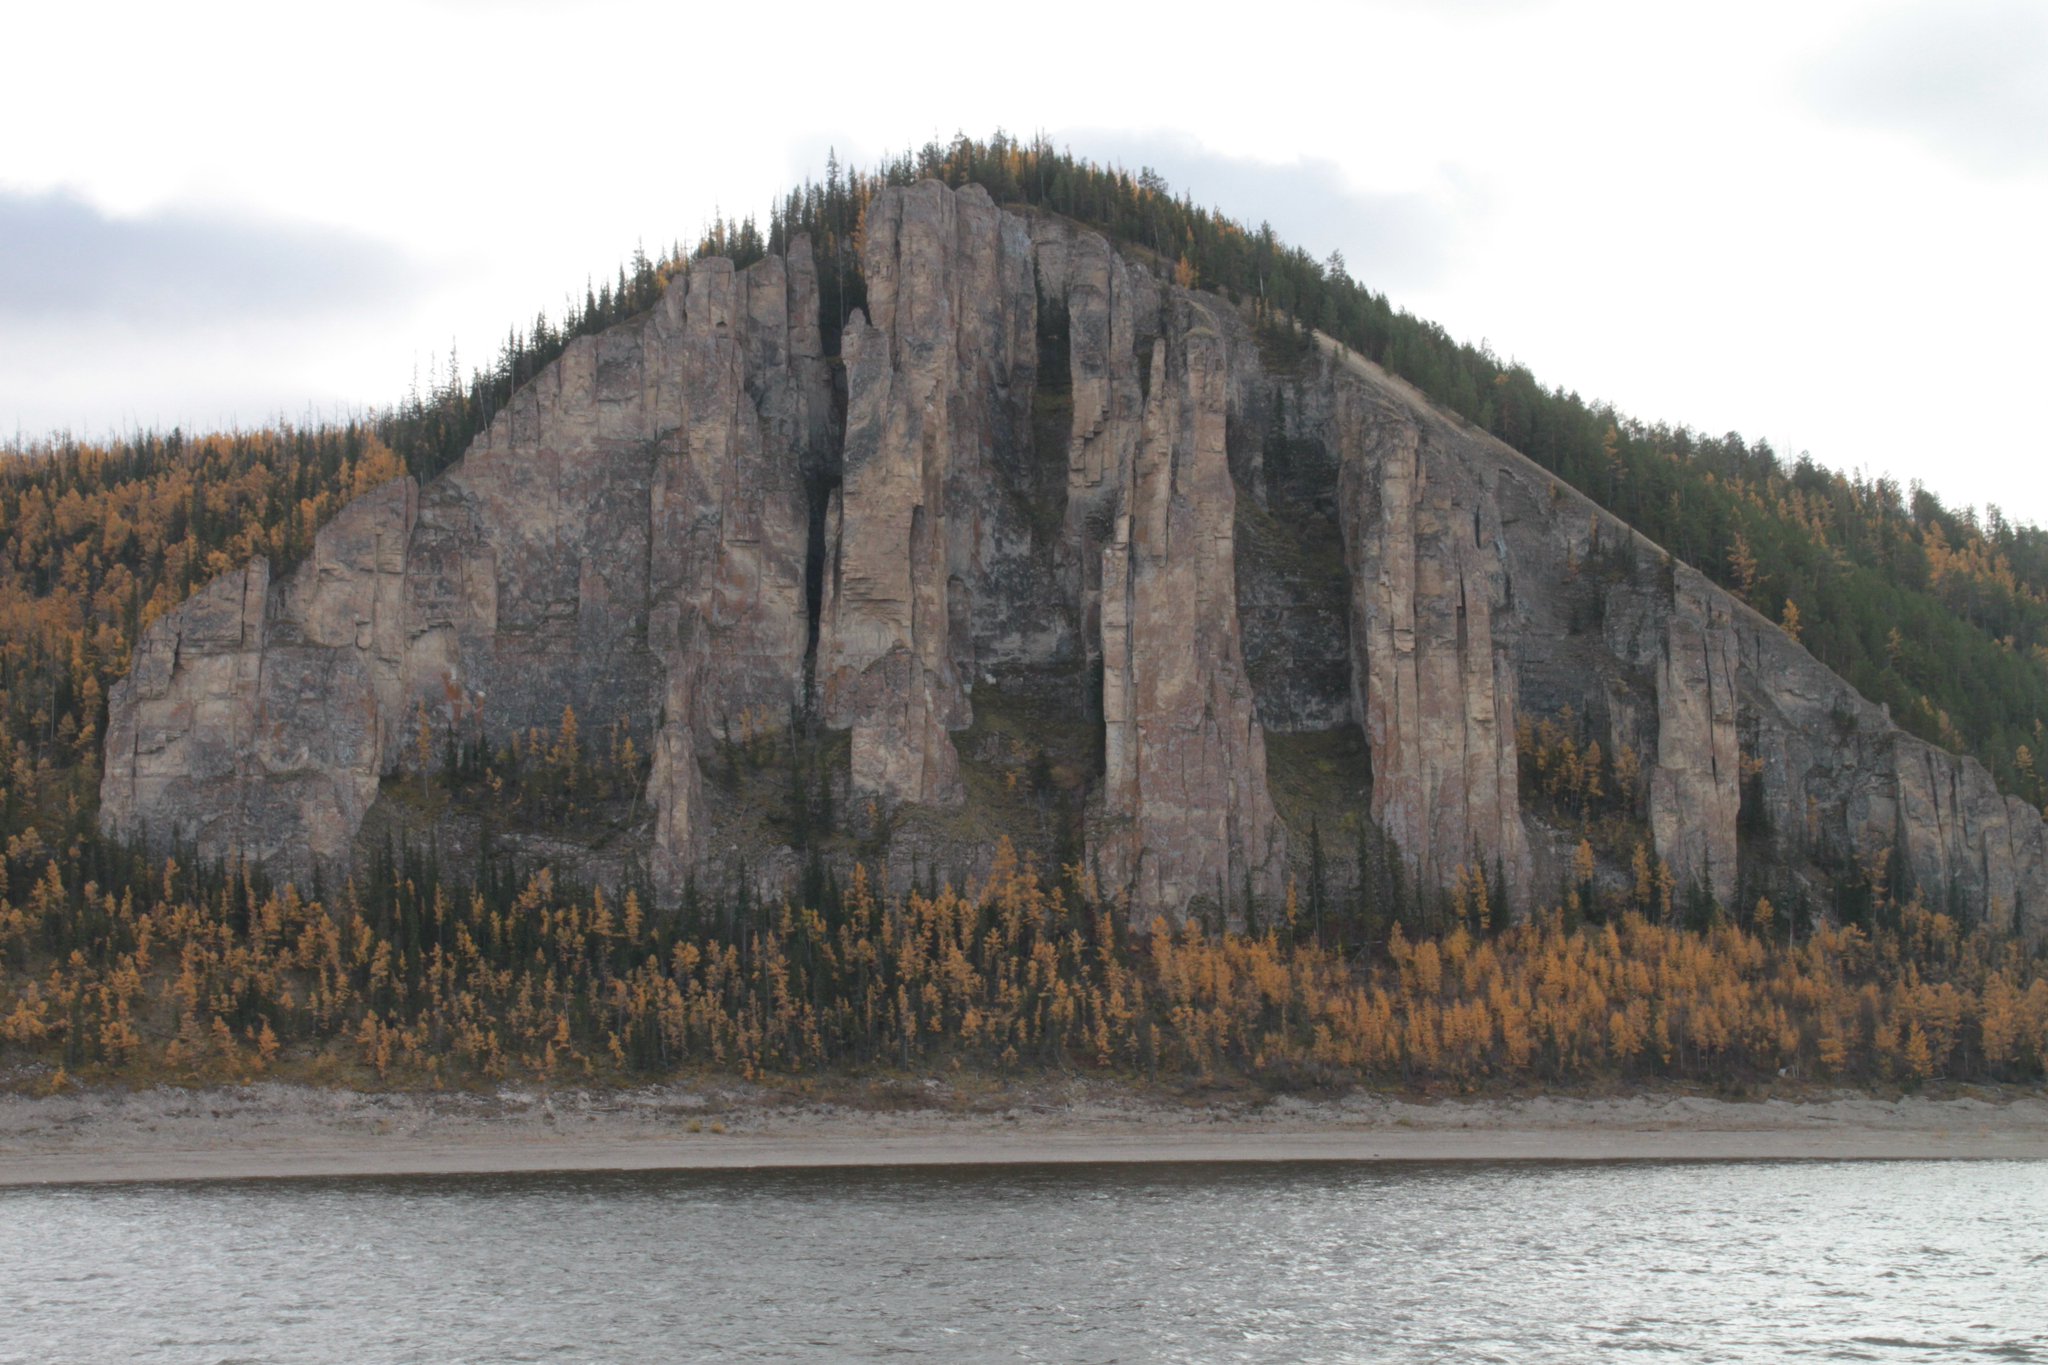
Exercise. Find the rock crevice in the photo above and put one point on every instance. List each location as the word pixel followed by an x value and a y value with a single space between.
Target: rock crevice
pixel 1186 819
pixel 673 529
pixel 1433 687
pixel 627 539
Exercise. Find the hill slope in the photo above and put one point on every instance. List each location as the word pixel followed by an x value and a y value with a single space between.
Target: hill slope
pixel 1037 474
pixel 751 581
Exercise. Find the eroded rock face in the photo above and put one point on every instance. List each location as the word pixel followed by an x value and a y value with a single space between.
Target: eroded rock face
pixel 1435 689
pixel 632 538
pixel 1113 315
pixel 1481 585
pixel 257 716
pixel 729 524
pixel 627 539
pixel 1186 820
pixel 1838 787
pixel 1696 785
pixel 932 582
pixel 885 658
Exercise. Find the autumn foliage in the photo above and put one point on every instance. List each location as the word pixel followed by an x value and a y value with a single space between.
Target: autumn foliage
pixel 215 978
pixel 97 541
pixel 119 965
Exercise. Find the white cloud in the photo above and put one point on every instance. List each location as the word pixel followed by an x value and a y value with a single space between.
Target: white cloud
pixel 1410 237
pixel 1643 202
pixel 1966 78
pixel 180 270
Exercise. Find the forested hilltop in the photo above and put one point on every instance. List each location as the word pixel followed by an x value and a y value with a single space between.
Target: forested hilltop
pixel 119 961
pixel 1940 614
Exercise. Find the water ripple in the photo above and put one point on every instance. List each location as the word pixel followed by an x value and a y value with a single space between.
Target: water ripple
pixel 1512 1262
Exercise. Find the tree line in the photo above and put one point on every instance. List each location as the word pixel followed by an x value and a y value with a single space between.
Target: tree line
pixel 210 974
pixel 1938 612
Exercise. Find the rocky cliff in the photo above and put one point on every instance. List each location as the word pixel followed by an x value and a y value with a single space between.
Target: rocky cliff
pixel 628 538
pixel 1042 500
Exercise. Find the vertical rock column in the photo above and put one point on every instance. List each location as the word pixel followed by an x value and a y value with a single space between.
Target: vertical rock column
pixel 1111 307
pixel 730 523
pixel 950 294
pixel 885 667
pixel 1186 818
pixel 1696 786
pixel 727 499
pixel 1434 693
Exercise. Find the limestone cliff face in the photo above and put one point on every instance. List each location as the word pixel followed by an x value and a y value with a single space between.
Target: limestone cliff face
pixel 938 393
pixel 1434 688
pixel 1186 814
pixel 257 717
pixel 1113 313
pixel 1838 784
pixel 1696 785
pixel 627 539
pixel 1482 587
pixel 1037 475
pixel 939 584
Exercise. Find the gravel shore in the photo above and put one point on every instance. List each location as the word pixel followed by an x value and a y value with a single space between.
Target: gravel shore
pixel 278 1130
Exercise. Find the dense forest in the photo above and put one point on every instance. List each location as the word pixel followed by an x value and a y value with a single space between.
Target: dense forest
pixel 110 960
pixel 408 979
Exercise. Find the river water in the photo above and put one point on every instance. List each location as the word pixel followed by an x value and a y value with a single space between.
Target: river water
pixel 1886 1261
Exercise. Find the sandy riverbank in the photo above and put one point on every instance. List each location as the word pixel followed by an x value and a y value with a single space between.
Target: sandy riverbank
pixel 282 1130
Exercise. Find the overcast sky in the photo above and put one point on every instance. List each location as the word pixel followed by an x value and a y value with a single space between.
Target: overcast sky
pixel 1819 224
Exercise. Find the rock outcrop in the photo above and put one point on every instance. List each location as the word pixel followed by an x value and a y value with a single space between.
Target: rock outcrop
pixel 1037 488
pixel 627 539
pixel 1839 788
pixel 934 582
pixel 1696 784
pixel 1186 815
pixel 1482 587
pixel 1113 315
pixel 258 717
pixel 1434 688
